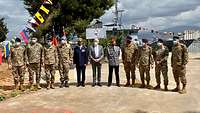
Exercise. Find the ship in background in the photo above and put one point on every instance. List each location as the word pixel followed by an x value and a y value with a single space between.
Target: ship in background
pixel 116 28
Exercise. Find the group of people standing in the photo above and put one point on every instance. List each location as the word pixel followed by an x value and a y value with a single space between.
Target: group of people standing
pixel 35 56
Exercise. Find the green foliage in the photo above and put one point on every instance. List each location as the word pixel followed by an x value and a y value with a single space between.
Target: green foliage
pixel 74 15
pixel 14 93
pixel 2 98
pixel 3 30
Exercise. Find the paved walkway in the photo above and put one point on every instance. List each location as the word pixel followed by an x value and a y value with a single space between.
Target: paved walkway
pixel 111 99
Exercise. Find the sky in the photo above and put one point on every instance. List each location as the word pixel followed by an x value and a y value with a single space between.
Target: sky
pixel 154 14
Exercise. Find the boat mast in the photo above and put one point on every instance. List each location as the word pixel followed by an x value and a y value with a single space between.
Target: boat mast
pixel 117 18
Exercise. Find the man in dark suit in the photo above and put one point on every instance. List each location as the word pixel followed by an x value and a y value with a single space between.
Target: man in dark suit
pixel 96 55
pixel 81 60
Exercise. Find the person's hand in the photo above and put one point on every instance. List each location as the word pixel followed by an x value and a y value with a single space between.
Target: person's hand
pixel 137 66
pixel 158 62
pixel 9 67
pixel 152 66
pixel 85 64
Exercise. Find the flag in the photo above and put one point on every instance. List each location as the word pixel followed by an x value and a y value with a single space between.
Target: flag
pixel 28 26
pixel 24 34
pixel 44 9
pixel 64 34
pixel 7 50
pixel 39 17
pixel 48 2
pixel 54 40
pixel 33 22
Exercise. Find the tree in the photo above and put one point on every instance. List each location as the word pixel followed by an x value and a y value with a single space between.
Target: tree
pixel 3 30
pixel 74 15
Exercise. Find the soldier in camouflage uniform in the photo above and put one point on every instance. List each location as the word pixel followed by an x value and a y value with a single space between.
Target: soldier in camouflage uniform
pixel 34 53
pixel 65 55
pixel 129 55
pixel 50 62
pixel 18 61
pixel 160 58
pixel 179 60
pixel 145 61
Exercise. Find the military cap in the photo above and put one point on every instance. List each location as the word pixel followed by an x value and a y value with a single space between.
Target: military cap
pixel 145 40
pixel 129 38
pixel 17 40
pixel 160 40
pixel 176 37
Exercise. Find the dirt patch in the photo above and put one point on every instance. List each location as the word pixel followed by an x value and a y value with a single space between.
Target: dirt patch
pixel 5 76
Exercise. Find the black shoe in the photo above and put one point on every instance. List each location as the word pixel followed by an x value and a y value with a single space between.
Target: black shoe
pixel 142 86
pixel 118 85
pixel 83 84
pixel 127 84
pixel 157 87
pixel 99 84
pixel 94 84
pixel 78 85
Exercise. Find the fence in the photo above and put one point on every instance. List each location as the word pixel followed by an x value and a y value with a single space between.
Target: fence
pixel 194 47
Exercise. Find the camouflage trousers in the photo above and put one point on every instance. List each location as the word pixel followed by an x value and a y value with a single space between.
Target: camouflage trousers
pixel 164 70
pixel 179 73
pixel 130 71
pixel 64 71
pixel 50 73
pixel 144 70
pixel 34 68
pixel 18 73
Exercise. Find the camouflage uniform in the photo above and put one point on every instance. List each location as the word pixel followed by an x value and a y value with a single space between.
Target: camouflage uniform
pixel 145 59
pixel 65 55
pixel 161 56
pixel 34 53
pixel 179 60
pixel 129 55
pixel 50 61
pixel 18 60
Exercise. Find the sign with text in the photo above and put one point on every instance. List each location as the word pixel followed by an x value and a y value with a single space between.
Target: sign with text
pixel 95 33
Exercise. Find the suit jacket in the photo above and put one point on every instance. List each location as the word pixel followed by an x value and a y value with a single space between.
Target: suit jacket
pixel 113 53
pixel 80 56
pixel 92 55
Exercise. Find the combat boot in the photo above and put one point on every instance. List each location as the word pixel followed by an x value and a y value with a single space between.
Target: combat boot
pixel 177 89
pixel 166 89
pixel 143 84
pixel 21 87
pixel 62 85
pixel 157 87
pixel 48 86
pixel 16 87
pixel 133 83
pixel 148 85
pixel 66 84
pixel 183 91
pixel 38 86
pixel 31 87
pixel 52 86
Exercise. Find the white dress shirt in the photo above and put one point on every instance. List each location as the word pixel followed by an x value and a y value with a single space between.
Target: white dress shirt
pixel 96 50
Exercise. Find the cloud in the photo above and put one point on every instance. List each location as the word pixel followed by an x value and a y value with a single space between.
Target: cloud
pixel 15 15
pixel 158 14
